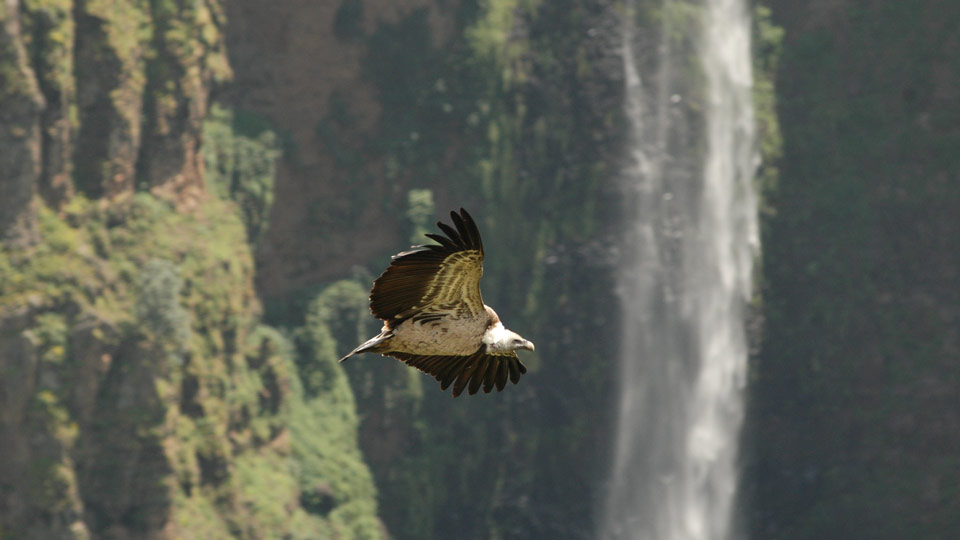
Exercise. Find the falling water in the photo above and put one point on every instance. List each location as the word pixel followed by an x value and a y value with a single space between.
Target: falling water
pixel 685 280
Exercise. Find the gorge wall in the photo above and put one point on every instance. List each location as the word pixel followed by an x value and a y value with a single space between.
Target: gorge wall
pixel 141 395
pixel 170 167
pixel 144 397
pixel 855 425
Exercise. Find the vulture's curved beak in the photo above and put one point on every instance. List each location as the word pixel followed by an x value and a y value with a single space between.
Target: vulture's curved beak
pixel 528 345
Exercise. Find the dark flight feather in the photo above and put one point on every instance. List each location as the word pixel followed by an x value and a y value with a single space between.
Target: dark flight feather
pixel 468 372
pixel 403 287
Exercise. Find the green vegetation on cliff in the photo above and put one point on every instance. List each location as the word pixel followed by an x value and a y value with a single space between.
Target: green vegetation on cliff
pixel 511 119
pixel 240 154
pixel 767 48
pixel 141 396
pixel 143 364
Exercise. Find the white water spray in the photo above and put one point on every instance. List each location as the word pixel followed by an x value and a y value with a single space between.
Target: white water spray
pixel 685 280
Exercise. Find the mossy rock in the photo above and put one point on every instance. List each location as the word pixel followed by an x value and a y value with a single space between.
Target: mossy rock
pixel 143 327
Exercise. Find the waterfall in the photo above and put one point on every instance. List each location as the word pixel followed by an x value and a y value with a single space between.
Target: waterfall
pixel 689 243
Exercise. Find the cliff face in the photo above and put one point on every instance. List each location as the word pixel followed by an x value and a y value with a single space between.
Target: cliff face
pixel 140 367
pixel 144 400
pixel 504 108
pixel 855 402
pixel 20 103
pixel 305 66
pixel 87 83
pixel 510 116
pixel 141 396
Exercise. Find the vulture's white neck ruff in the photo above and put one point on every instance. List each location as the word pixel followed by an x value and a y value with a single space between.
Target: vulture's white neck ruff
pixel 499 339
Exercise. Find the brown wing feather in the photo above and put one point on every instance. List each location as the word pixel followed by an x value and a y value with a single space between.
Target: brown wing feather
pixel 468 371
pixel 445 276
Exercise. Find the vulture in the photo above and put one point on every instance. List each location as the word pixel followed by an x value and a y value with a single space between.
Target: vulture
pixel 434 318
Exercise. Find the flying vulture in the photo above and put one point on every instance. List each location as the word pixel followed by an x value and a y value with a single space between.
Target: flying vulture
pixel 434 318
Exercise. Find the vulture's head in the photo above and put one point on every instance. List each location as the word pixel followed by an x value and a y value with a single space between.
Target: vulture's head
pixel 499 340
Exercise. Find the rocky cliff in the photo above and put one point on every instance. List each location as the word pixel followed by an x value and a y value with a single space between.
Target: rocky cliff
pixel 856 425
pixel 312 70
pixel 141 395
pixel 170 166
pixel 21 103
pixel 510 109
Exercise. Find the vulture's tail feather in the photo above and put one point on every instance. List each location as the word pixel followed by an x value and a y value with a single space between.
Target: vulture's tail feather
pixel 370 345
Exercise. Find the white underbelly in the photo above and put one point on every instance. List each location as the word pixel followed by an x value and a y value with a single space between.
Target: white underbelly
pixel 442 338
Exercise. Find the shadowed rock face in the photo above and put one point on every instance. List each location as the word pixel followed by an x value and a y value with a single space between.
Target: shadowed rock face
pixel 52 36
pixel 301 64
pixel 106 419
pixel 855 404
pixel 189 60
pixel 145 73
pixel 20 106
pixel 110 47
pixel 104 95
pixel 162 408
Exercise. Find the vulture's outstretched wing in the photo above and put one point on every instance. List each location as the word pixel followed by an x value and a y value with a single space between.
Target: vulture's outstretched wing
pixel 437 279
pixel 468 371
